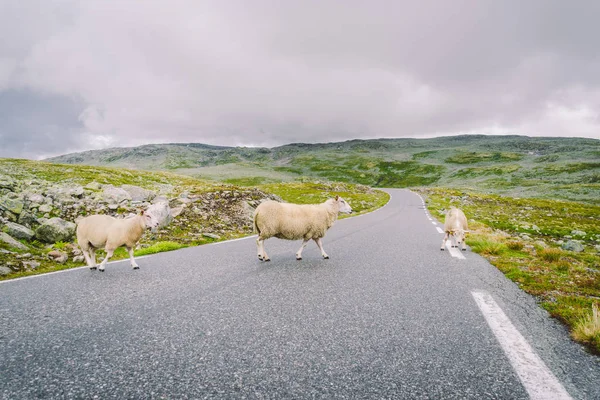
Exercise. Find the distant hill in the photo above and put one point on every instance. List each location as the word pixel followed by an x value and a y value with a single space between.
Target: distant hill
pixel 564 168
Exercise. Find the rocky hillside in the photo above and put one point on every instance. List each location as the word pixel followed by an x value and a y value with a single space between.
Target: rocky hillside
pixel 40 204
pixel 565 168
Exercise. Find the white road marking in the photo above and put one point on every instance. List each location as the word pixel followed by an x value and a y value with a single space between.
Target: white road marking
pixel 537 379
pixel 434 223
pixel 440 230
pixel 454 251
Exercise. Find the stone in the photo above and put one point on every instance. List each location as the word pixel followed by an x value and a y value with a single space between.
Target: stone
pixel 27 219
pixel 15 206
pixel 138 193
pixel 162 212
pixel 93 186
pixel 211 235
pixel 55 230
pixel 113 194
pixel 35 198
pixel 6 182
pixel 45 208
pixel 578 233
pixel 175 212
pixel 19 231
pixel 78 259
pixel 58 256
pixel 573 245
pixel 597 248
pixel 5 270
pixel 9 240
pixel 31 264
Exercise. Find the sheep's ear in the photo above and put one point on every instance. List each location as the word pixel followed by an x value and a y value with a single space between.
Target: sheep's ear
pixel 142 212
pixel 337 198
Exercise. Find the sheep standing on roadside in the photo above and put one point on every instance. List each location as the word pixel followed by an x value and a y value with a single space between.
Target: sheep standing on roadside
pixel 455 226
pixel 104 231
pixel 295 222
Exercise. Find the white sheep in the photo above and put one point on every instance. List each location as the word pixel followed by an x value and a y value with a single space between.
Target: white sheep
pixel 104 231
pixel 295 222
pixel 455 225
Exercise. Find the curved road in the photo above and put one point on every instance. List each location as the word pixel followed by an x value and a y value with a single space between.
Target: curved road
pixel 389 316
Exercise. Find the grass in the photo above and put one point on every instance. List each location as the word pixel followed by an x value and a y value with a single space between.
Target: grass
pixel 523 237
pixel 587 329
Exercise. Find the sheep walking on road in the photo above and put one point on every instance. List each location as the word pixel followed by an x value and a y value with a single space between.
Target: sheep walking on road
pixel 455 227
pixel 103 231
pixel 295 222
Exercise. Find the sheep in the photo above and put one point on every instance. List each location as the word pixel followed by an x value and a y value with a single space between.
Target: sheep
pixel 295 222
pixel 455 225
pixel 97 231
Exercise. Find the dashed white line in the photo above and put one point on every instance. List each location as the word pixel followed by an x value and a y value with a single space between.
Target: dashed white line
pixel 454 251
pixel 537 379
pixel 440 230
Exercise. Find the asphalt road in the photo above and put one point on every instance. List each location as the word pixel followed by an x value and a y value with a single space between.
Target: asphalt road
pixel 388 316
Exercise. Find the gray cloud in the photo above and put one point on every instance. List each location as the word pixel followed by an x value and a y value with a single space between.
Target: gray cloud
pixel 270 72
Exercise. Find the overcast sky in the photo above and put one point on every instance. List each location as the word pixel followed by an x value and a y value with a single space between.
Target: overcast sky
pixel 80 75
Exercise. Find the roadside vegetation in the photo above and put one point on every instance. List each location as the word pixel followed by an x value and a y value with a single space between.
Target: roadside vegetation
pixel 209 211
pixel 550 248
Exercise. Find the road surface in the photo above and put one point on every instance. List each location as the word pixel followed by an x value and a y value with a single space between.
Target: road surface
pixel 388 316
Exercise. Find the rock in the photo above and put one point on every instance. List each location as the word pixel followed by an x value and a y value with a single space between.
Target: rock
pixel 31 264
pixel 5 270
pixel 9 240
pixel 62 192
pixel 6 182
pixel 58 256
pixel 55 230
pixel 138 193
pixel 93 186
pixel 573 245
pixel 45 208
pixel 15 206
pixel 211 235
pixel 35 198
pixel 19 231
pixel 27 219
pixel 78 259
pixel 113 194
pixel 113 206
pixel 176 211
pixel 597 248
pixel 162 211
pixel 541 244
pixel 578 233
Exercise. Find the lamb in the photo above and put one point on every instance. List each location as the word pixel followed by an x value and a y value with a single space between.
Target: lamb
pixel 295 222
pixel 455 225
pixel 97 231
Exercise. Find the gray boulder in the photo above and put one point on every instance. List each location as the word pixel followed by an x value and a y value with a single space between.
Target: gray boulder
pixel 138 193
pixel 65 191
pixel 162 212
pixel 15 206
pixel 5 270
pixel 18 231
pixel 572 245
pixel 113 194
pixel 45 208
pixel 9 240
pixel 55 230
pixel 35 198
pixel 6 182
pixel 27 219
pixel 93 186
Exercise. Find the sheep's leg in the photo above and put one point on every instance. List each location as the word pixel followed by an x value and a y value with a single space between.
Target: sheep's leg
pixel 464 245
pixel 262 254
pixel 320 244
pixel 109 253
pixel 88 258
pixel 131 259
pixel 299 252
pixel 444 241
pixel 93 257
